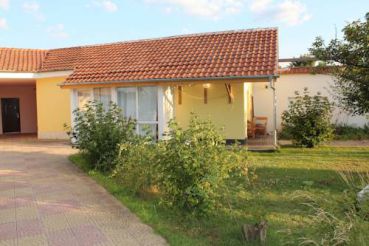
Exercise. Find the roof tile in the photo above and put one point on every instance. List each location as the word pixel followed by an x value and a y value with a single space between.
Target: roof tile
pixel 21 60
pixel 241 53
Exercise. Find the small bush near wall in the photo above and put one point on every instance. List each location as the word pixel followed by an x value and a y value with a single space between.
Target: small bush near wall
pixel 97 132
pixel 307 119
pixel 194 164
pixel 136 164
pixel 345 132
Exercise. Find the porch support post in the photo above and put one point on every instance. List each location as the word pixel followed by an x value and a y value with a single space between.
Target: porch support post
pixel 272 86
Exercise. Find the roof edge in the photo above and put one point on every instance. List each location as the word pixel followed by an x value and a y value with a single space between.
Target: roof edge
pixel 268 76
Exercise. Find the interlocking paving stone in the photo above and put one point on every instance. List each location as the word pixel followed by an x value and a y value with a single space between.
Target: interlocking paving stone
pixel 61 238
pixel 8 231
pixel 7 203
pixel 26 213
pixel 7 215
pixel 45 200
pixel 39 240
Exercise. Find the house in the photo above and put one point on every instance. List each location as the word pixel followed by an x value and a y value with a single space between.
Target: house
pixel 316 79
pixel 152 80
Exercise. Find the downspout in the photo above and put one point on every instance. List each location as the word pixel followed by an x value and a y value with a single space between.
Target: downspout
pixel 275 133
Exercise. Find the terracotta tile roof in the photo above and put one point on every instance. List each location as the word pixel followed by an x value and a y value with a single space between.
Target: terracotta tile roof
pixel 305 70
pixel 226 54
pixel 21 60
pixel 63 59
pixel 244 53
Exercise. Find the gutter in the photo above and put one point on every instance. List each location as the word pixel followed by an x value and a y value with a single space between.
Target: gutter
pixel 267 77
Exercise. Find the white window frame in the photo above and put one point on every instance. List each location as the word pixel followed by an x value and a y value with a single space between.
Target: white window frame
pixel 159 109
pixel 161 119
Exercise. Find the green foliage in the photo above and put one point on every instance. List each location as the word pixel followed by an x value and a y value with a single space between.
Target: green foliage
pixel 194 164
pixel 97 132
pixel 136 164
pixel 306 60
pixel 352 83
pixel 346 132
pixel 284 135
pixel 307 119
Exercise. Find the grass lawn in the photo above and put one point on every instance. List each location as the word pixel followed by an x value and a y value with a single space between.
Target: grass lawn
pixel 278 177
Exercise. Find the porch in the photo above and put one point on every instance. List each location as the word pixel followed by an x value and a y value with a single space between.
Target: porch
pixel 18 110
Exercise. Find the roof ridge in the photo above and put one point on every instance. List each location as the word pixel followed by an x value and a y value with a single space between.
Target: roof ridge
pixel 172 37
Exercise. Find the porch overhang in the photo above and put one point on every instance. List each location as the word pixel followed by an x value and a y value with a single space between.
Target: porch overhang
pixel 169 82
pixel 34 75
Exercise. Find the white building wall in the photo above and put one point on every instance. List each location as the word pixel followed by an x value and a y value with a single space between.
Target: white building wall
pixel 286 86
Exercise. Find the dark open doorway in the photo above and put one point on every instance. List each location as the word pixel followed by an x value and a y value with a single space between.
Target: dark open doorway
pixel 10 115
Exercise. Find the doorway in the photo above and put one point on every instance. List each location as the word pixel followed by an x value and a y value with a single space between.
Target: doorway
pixel 10 115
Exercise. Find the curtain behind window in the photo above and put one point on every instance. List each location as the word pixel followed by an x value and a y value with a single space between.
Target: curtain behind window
pixel 103 95
pixel 147 104
pixel 127 101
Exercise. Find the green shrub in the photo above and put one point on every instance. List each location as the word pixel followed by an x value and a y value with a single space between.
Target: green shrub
pixel 194 164
pixel 307 119
pixel 97 132
pixel 284 135
pixel 345 132
pixel 136 164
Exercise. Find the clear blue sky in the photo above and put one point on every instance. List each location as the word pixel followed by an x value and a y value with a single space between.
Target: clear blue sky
pixel 52 23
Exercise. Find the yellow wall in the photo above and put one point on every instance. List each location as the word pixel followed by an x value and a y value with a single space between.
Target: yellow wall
pixel 53 108
pixel 233 117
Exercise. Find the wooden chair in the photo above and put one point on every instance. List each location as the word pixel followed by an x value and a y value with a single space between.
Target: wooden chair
pixel 250 129
pixel 260 125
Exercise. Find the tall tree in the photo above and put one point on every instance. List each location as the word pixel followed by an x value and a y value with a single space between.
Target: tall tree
pixel 351 57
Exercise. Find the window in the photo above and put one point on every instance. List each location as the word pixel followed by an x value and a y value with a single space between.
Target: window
pixel 127 101
pixel 103 95
pixel 140 103
pixel 84 97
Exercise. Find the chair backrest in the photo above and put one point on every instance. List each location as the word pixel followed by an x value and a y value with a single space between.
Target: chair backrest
pixel 261 120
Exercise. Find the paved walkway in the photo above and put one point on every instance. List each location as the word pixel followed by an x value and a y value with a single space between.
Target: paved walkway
pixel 45 200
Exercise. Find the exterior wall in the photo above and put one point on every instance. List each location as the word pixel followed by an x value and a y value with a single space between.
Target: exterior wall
pixel 232 117
pixel 27 105
pixel 53 108
pixel 286 86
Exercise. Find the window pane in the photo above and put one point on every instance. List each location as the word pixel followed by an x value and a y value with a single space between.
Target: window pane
pixel 147 104
pixel 84 97
pixel 148 129
pixel 127 101
pixel 103 95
